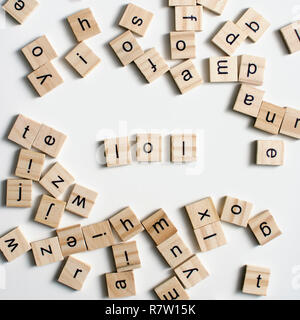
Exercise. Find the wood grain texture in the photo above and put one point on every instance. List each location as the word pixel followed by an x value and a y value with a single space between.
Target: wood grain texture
pixel 188 18
pixel 291 123
pixel 270 152
pixel 291 36
pixel 120 284
pixel 126 256
pixel 171 290
pixel 183 44
pixel 216 6
pixel 223 69
pixel 183 147
pixel 20 10
pixel 19 193
pixel 148 147
pixel 256 280
pixel 252 70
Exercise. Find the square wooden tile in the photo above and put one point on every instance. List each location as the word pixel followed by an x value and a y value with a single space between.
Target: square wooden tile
pixel 188 18
pixel 174 3
pixel 252 70
pixel 191 272
pixel 45 78
pixel 136 19
pixel 210 236
pixel 159 226
pixel 18 193
pixel 30 165
pixel 120 284
pixel 291 36
pixel 57 180
pixel 117 152
pixel 152 65
pixel 24 131
pixel 126 48
pixel 14 244
pixel 49 141
pixel 39 52
pixel 264 227
pixel 46 251
pixel 50 211
pixel 186 76
pixel 229 38
pixel 74 273
pixel 126 256
pixel 202 212
pixel 126 224
pixel 216 6
pixel 83 24
pixel 183 45
pixel 20 10
pixel 148 147
pixel 71 240
pixel 290 125
pixel 270 152
pixel 253 24
pixel 183 147
pixel 269 118
pixel 82 59
pixel 236 211
pixel 249 100
pixel 171 290
pixel 174 251
pixel 223 69
pixel 98 235
pixel 256 280
pixel 81 201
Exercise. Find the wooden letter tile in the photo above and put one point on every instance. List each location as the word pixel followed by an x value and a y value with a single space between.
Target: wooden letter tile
pixel 174 251
pixel 30 165
pixel 120 284
pixel 14 244
pixel 270 152
pixel 191 272
pixel 117 152
pixel 98 235
pixel 229 38
pixel 202 213
pixel 252 70
pixel 148 147
pixel 71 240
pixel 291 36
pixel 74 273
pixel 151 65
pixel 24 131
pixel 45 78
pixel 159 227
pixel 253 24
pixel 20 10
pixel 46 251
pixel 126 256
pixel 256 280
pixel 269 118
pixel 83 24
pixel 39 52
pixel 136 19
pixel 290 124
pixel 174 3
pixel 223 69
pixel 19 193
pixel 50 211
pixel 236 211
pixel 249 100
pixel 171 290
pixel 49 141
pixel 188 18
pixel 264 227
pixel 186 76
pixel 210 236
pixel 82 59
pixel 183 148
pixel 57 180
pixel 183 44
pixel 126 224
pixel 126 48
pixel 216 6
pixel 81 201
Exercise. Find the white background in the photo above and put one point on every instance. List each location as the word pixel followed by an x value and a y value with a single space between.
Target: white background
pixel 113 97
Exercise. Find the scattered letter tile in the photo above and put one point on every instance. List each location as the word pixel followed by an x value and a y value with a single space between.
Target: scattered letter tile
pixel 223 69
pixel 126 256
pixel 256 280
pixel 20 10
pixel 183 45
pixel 120 284
pixel 117 152
pixel 291 36
pixel 183 148
pixel 270 152
pixel 188 18
pixel 264 227
pixel 291 123
pixel 19 193
pixel 149 147
pixel 171 290
pixel 252 70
